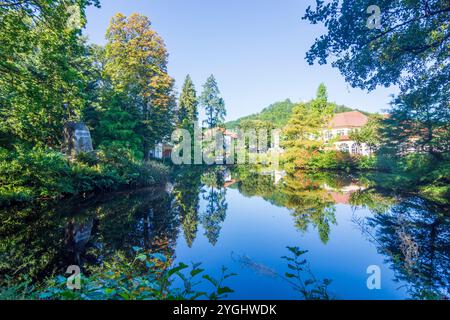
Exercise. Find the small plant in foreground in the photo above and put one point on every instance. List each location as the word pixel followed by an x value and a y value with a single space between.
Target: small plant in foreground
pixel 310 288
pixel 149 276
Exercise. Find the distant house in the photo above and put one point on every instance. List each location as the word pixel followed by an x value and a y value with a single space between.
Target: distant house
pixel 228 140
pixel 162 151
pixel 340 129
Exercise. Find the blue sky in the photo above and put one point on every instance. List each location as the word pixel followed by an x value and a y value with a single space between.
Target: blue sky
pixel 255 49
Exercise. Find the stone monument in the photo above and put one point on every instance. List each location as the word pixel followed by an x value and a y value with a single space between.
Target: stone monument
pixel 77 139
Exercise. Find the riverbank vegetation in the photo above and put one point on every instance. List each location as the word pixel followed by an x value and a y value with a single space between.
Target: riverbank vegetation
pixel 51 76
pixel 149 276
pixel 43 174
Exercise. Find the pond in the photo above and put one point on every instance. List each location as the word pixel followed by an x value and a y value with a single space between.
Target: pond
pixel 362 242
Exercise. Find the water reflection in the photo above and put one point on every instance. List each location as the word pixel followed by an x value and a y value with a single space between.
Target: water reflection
pixel 412 234
pixel 41 241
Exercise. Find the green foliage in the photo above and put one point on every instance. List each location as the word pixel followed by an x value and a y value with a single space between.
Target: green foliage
pixel 416 172
pixel 187 105
pixel 49 75
pixel 212 103
pixel 148 277
pixel 278 114
pixel 302 279
pixel 12 290
pixel 27 175
pixel 370 134
pixel 337 160
pixel 302 135
pixel 117 129
pixel 410 50
pixel 44 79
pixel 322 94
pixel 412 33
pixel 136 66
pixel 186 194
pixel 216 204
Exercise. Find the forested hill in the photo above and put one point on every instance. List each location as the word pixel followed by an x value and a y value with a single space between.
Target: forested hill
pixel 278 114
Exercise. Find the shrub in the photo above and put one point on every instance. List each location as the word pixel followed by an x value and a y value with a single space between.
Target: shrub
pixel 148 277
pixel 337 160
pixel 35 173
pixel 30 174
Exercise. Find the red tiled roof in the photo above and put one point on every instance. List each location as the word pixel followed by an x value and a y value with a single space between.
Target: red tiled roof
pixel 349 119
pixel 231 134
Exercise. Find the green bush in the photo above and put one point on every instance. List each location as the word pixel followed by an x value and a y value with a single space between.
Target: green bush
pixel 343 161
pixel 30 174
pixel 150 276
pixel 416 172
pixel 35 173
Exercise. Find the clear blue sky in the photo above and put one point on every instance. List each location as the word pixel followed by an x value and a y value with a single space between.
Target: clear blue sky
pixel 255 49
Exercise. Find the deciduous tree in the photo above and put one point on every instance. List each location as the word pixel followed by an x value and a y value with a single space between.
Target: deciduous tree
pixel 137 66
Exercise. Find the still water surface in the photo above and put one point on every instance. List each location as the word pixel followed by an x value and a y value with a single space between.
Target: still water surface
pixel 244 219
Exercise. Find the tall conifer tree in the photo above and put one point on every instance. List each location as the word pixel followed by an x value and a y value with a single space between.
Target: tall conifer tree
pixel 187 105
pixel 213 104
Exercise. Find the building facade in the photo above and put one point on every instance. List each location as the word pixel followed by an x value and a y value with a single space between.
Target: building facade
pixel 340 129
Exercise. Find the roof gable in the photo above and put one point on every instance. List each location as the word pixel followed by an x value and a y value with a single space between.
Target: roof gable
pixel 350 119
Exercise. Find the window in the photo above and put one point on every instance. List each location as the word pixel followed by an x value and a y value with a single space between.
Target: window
pixel 341 133
pixel 356 148
pixel 344 147
pixel 328 135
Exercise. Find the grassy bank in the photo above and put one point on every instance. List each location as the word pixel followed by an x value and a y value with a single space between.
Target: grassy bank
pixel 28 175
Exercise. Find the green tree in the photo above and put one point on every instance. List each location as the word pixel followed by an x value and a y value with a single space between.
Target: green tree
pixel 370 134
pixel 187 105
pixel 213 103
pixel 137 66
pixel 310 203
pixel 420 119
pixel 216 204
pixel 322 94
pixel 42 64
pixel 410 50
pixel 302 135
pixel 277 114
pixel 186 192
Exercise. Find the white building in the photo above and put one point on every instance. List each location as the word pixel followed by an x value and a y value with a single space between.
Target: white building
pixel 340 128
pixel 161 151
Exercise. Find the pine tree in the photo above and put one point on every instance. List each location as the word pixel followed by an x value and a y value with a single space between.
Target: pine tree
pixel 213 104
pixel 322 94
pixel 187 105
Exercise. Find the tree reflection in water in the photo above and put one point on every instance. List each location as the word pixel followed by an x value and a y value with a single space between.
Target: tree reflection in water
pixel 187 187
pixel 303 194
pixel 40 241
pixel 414 234
pixel 214 193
